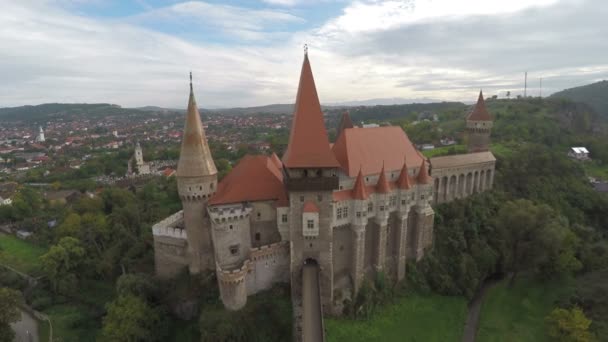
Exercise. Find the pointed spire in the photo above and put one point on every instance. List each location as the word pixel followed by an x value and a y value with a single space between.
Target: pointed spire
pixel 345 122
pixel 195 158
pixel 382 186
pixel 308 142
pixel 423 174
pixel 360 190
pixel 480 112
pixel 404 181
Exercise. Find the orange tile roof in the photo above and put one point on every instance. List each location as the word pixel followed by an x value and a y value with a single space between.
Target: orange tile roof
pixel 480 112
pixel 308 142
pixel 345 122
pixel 382 186
pixel 359 190
pixel 310 207
pixel 404 181
pixel 254 178
pixel 368 148
pixel 423 174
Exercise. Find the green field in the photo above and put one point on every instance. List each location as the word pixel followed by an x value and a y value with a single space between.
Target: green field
pixel 518 313
pixel 411 318
pixel 73 323
pixel 595 169
pixel 19 254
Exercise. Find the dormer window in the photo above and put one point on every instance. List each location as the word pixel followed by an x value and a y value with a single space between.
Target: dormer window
pixel 310 224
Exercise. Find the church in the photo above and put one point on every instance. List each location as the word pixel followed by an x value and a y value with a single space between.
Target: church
pixel 355 207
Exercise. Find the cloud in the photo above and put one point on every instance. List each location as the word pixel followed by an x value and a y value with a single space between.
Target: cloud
pixel 373 49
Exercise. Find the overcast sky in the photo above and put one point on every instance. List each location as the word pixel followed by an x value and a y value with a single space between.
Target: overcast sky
pixel 244 53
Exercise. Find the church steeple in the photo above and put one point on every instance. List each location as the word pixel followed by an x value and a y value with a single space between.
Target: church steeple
pixel 195 157
pixel 308 142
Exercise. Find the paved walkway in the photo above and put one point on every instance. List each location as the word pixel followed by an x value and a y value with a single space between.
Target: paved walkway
pixel 26 330
pixel 472 323
pixel 312 324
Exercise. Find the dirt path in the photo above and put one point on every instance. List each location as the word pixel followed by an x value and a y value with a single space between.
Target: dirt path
pixel 472 323
pixel 26 330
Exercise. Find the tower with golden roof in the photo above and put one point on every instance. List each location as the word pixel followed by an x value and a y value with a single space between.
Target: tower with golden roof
pixel 196 183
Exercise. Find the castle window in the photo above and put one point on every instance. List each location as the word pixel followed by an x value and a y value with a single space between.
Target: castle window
pixel 284 218
pixel 402 202
pixel 259 214
pixel 393 201
pixel 211 186
pixel 310 224
pixel 370 207
pixel 234 249
pixel 345 212
pixel 189 188
pixel 230 226
pixel 301 198
pixel 381 208
pixel 358 214
pixel 421 197
pixel 310 245
pixel 319 198
pixel 200 187
pixel 339 213
pixel 257 237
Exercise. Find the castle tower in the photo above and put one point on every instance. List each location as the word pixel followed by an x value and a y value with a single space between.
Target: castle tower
pixel 311 169
pixel 479 127
pixel 424 213
pixel 196 183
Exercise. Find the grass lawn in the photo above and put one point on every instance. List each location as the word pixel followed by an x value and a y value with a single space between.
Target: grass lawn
pixel 595 169
pixel 445 150
pixel 412 318
pixel 73 323
pixel 20 254
pixel 518 313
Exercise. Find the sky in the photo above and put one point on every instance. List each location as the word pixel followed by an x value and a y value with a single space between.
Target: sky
pixel 248 53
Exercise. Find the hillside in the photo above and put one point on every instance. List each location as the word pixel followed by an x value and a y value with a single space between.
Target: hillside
pixel 53 110
pixel 595 95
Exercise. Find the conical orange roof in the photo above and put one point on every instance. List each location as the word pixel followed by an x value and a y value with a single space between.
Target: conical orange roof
pixel 382 186
pixel 308 142
pixel 480 112
pixel 345 122
pixel 423 174
pixel 404 181
pixel 195 157
pixel 359 190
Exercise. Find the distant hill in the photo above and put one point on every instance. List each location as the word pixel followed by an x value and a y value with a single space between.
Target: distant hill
pixel 595 95
pixel 65 110
pixel 384 102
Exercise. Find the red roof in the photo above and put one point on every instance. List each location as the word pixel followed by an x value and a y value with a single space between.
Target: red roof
pixel 310 207
pixel 359 190
pixel 254 178
pixel 480 112
pixel 404 181
pixel 423 174
pixel 345 122
pixel 308 142
pixel 382 187
pixel 368 148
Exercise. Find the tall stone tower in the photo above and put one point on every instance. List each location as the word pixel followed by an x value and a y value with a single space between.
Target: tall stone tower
pixel 311 169
pixel 196 183
pixel 479 127
pixel 40 137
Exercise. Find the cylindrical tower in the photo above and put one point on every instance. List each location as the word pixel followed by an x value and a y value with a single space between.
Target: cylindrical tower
pixel 479 127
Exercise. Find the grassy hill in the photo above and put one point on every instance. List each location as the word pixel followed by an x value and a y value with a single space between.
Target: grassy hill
pixel 65 110
pixel 595 95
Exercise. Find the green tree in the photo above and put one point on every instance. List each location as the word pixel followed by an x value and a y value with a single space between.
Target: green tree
pixel 9 313
pixel 61 263
pixel 131 319
pixel 569 325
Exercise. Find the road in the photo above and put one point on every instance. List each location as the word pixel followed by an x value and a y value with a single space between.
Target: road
pixel 312 326
pixel 472 323
pixel 26 329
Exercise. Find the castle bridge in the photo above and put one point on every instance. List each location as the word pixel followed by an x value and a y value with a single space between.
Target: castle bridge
pixel 312 323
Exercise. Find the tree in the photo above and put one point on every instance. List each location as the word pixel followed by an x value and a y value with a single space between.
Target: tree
pixel 508 94
pixel 61 262
pixel 569 325
pixel 9 313
pixel 131 319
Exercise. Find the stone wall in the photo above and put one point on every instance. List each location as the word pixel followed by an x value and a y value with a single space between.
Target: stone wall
pixel 268 265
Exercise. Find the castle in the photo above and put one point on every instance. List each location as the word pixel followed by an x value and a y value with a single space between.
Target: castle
pixel 359 206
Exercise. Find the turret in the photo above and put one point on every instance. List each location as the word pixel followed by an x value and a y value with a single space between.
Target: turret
pixel 345 122
pixel 196 183
pixel 479 127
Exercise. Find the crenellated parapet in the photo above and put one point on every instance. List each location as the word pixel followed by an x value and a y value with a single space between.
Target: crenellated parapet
pixel 272 250
pixel 221 214
pixel 233 286
pixel 170 226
